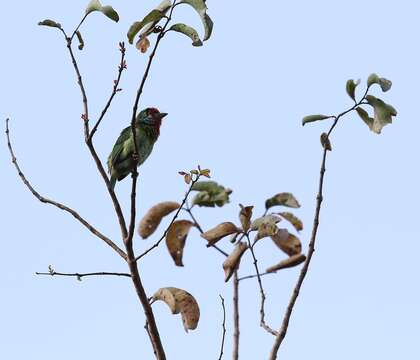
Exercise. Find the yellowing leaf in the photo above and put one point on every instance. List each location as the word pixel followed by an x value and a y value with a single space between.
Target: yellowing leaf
pixel 175 239
pixel 219 232
pixel 153 217
pixel 233 260
pixel 282 199
pixel 293 260
pixel 383 113
pixel 295 221
pixel 287 242
pixel 180 301
pixel 245 216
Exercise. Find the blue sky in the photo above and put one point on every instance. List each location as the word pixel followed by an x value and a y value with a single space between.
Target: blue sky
pixel 235 105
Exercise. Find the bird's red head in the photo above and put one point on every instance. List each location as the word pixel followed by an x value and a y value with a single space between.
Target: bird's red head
pixel 151 116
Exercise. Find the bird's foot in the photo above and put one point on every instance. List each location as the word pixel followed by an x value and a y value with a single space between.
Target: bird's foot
pixel 136 157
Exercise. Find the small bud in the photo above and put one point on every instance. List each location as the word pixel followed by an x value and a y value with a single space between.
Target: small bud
pixel 187 178
pixel 325 142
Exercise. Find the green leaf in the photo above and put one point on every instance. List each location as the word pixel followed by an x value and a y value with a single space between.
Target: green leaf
pixel 365 117
pixel 210 194
pixel 50 23
pixel 201 8
pixel 312 118
pixel 382 113
pixel 351 88
pixel 108 11
pixel 385 84
pixel 152 17
pixel 372 79
pixel 148 23
pixel 189 31
pixel 282 199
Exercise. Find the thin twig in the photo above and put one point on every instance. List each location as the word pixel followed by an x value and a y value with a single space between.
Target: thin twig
pixel 311 248
pixel 57 204
pixel 223 327
pixel 255 276
pixel 236 331
pixel 78 26
pixel 263 324
pixel 184 200
pixel 80 276
pixel 115 89
pixel 90 145
pixel 200 229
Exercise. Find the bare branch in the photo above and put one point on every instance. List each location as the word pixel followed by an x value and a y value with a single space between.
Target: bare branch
pixel 223 328
pixel 255 276
pixel 115 89
pixel 79 276
pixel 263 324
pixel 90 145
pixel 57 204
pixel 311 248
pixel 236 332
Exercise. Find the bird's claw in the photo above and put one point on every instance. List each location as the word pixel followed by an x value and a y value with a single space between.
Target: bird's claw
pixel 136 157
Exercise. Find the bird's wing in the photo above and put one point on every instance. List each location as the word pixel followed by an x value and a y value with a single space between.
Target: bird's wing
pixel 121 144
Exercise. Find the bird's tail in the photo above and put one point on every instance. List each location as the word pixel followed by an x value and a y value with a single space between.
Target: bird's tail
pixel 113 180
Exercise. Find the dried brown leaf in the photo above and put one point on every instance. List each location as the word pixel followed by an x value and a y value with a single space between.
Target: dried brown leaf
pixel 245 216
pixel 180 301
pixel 325 142
pixel 294 220
pixel 293 260
pixel 219 232
pixel 175 239
pixel 153 217
pixel 272 218
pixel 233 260
pixel 287 242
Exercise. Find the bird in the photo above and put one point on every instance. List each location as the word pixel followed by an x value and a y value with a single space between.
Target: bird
pixel 122 160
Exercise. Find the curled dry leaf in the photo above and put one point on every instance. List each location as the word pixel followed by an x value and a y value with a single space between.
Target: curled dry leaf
pixel 180 301
pixel 293 260
pixel 219 232
pixel 266 229
pixel 295 221
pixel 153 217
pixel 283 199
pixel 325 142
pixel 143 44
pixel 245 216
pixel 175 239
pixel 272 218
pixel 233 260
pixel 287 242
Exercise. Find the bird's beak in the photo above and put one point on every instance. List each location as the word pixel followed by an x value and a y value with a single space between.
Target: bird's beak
pixel 162 115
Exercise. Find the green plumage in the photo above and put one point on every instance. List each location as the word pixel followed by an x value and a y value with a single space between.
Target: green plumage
pixel 121 161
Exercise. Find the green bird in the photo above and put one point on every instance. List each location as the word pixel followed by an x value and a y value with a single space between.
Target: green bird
pixel 122 161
